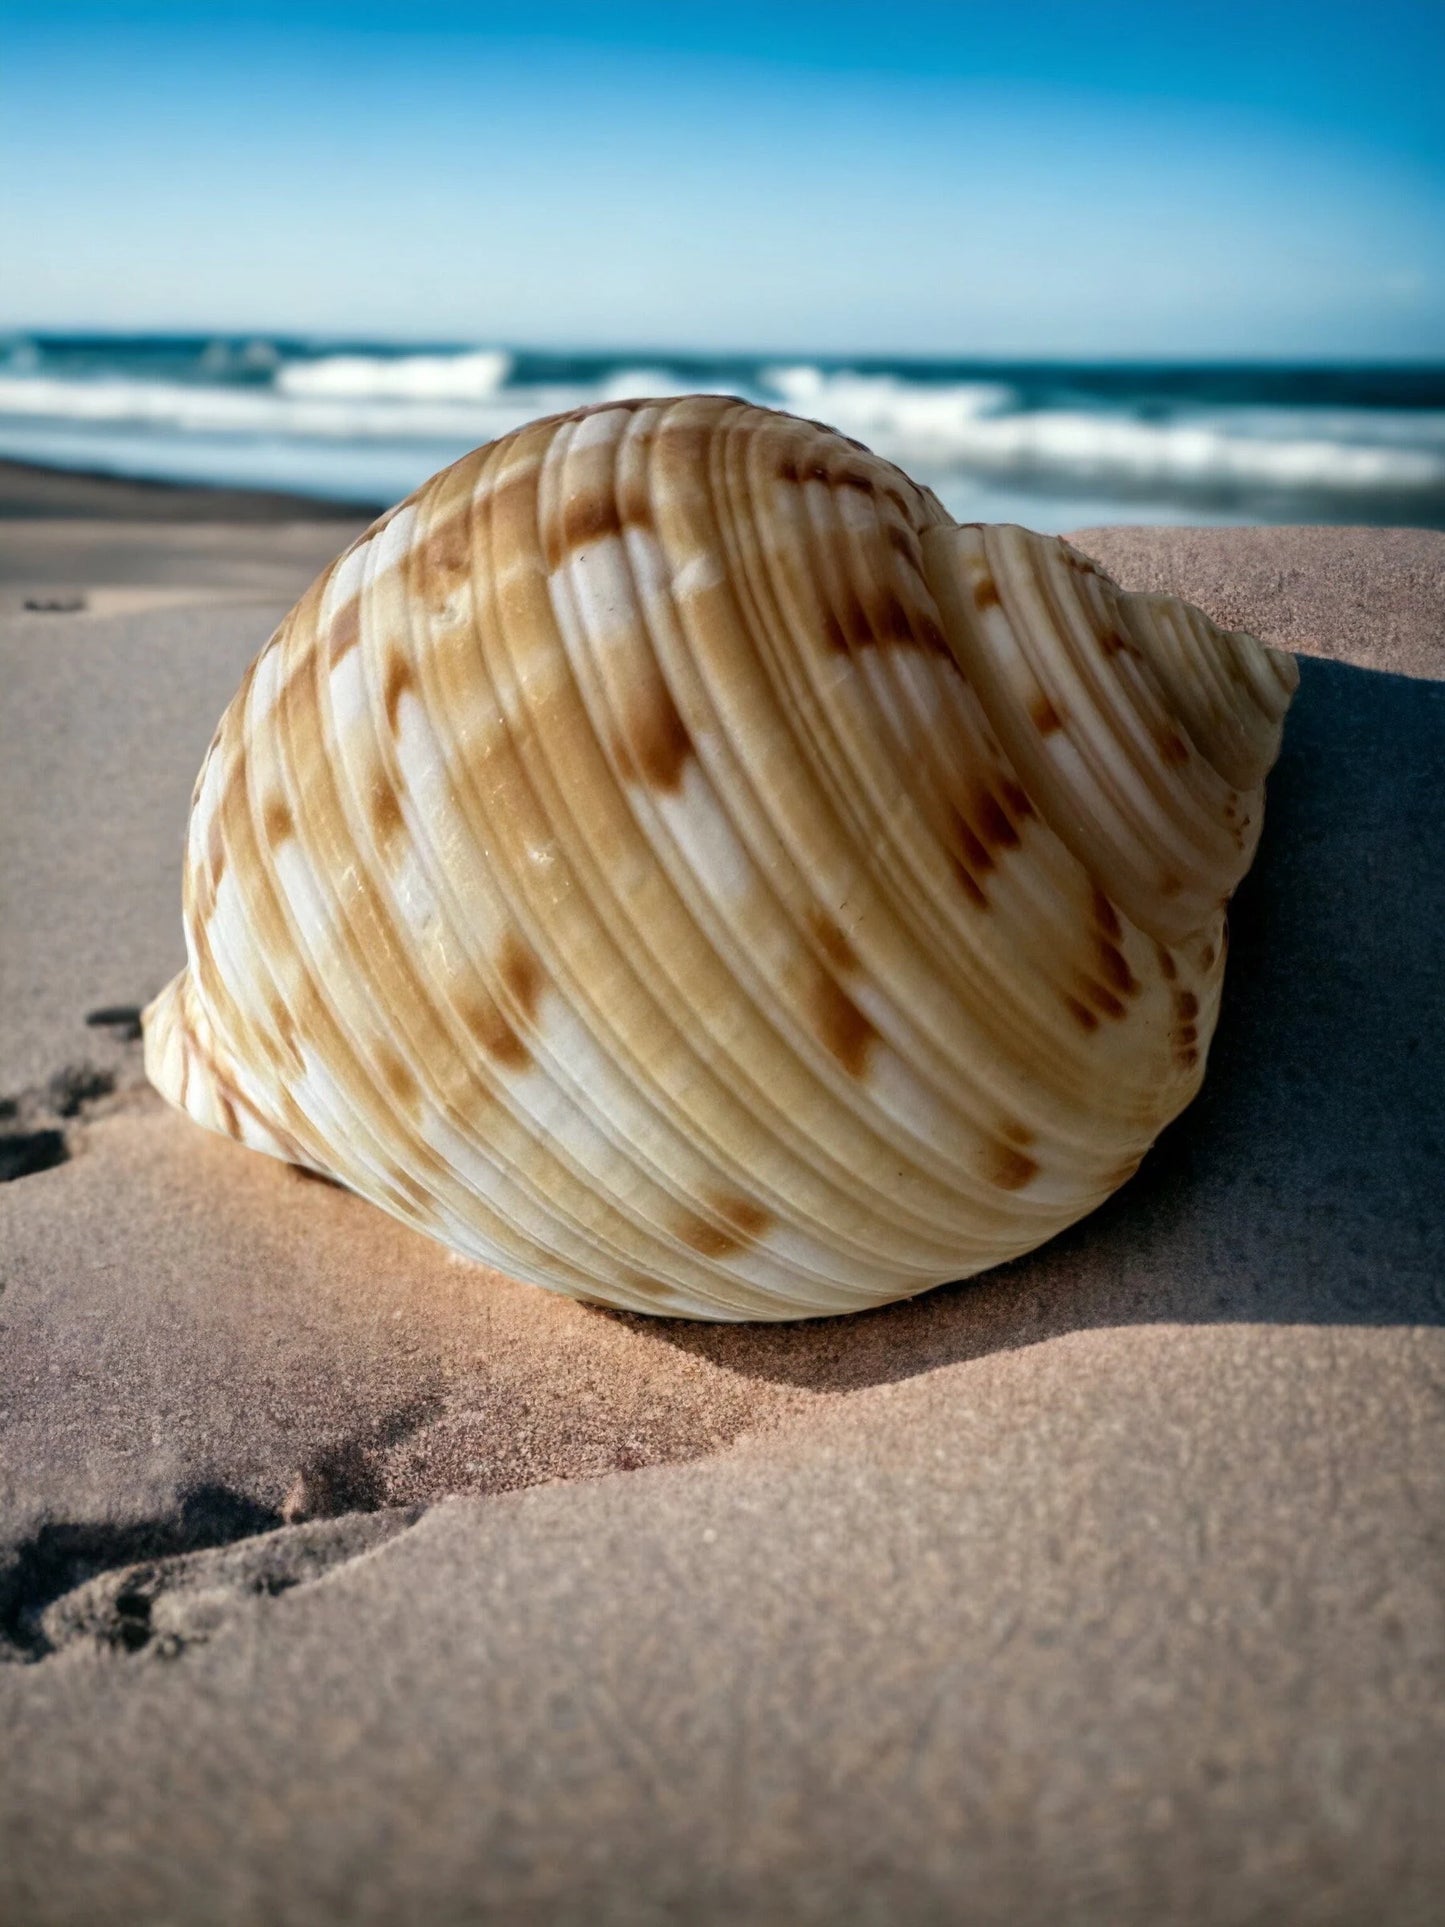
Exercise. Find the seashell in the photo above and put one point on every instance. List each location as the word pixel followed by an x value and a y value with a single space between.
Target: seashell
pixel 668 859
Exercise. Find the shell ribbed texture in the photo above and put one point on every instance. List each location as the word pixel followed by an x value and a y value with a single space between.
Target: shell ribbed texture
pixel 668 859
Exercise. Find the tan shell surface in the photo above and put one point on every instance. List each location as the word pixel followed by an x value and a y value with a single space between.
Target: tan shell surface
pixel 667 859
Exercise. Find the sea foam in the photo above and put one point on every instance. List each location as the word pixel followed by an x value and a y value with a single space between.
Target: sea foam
pixel 1049 446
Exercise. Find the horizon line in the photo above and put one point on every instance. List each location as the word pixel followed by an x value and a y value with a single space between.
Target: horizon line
pixel 421 344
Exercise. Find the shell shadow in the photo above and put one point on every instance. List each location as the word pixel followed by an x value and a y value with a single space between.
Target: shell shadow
pixel 1306 1184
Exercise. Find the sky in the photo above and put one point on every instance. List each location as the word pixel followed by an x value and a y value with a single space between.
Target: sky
pixel 1257 181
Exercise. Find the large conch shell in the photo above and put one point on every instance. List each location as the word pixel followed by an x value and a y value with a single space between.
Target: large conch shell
pixel 670 860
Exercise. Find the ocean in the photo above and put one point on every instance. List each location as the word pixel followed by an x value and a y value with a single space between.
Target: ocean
pixel 1054 445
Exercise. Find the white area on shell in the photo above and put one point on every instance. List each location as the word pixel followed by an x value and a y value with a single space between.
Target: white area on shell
pixel 232 945
pixel 418 911
pixel 596 591
pixel 598 1109
pixel 880 671
pixel 208 797
pixel 650 571
pixel 710 847
pixel 430 808
pixel 437 856
pixel 346 580
pixel 309 905
pixel 926 678
pixel 254 1135
pixel 470 1246
pixel 419 762
pixel 266 683
pixel 326 1104
pixel 660 589
pixel 600 430
pixel 347 686
pixel 252 1086
pixel 490 1180
pixel 643 1162
pixel 391 543
pixel 697 576
pixel 789 1245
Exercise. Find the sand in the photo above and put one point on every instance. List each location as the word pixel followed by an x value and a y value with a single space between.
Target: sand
pixel 341 1581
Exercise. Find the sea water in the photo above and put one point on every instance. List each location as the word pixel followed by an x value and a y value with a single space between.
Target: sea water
pixel 1054 445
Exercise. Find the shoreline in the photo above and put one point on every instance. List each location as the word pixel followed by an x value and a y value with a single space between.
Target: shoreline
pixel 35 491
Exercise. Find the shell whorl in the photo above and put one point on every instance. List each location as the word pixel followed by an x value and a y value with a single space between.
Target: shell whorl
pixel 668 859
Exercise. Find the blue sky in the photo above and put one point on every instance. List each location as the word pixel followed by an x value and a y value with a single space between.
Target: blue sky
pixel 1164 180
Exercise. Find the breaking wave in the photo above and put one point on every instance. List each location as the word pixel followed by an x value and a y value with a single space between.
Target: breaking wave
pixel 1054 445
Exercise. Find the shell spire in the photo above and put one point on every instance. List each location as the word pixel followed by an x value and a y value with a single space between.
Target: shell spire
pixel 668 859
pixel 1142 730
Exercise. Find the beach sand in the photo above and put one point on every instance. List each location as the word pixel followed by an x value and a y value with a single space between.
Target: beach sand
pixel 344 1581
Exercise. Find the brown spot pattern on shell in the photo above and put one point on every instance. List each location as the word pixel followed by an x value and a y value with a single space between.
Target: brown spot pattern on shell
pixel 670 860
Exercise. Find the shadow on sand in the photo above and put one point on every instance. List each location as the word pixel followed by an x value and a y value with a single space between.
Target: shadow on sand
pixel 1306 1185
